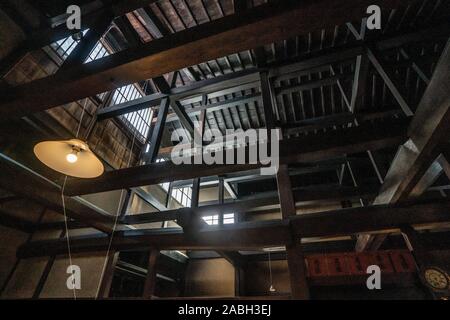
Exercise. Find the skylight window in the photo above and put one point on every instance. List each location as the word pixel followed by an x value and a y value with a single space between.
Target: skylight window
pixel 183 196
pixel 138 120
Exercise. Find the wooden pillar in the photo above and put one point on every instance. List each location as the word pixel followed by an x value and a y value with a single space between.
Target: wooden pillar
pixel 421 256
pixel 158 130
pixel 108 275
pixel 415 245
pixel 295 258
pixel 221 198
pixel 195 192
pixel 267 100
pixel 150 279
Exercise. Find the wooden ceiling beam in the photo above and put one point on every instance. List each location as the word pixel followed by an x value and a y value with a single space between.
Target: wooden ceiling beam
pixel 242 31
pixel 254 235
pixel 222 84
pixel 310 148
pixel 195 90
pixel 428 132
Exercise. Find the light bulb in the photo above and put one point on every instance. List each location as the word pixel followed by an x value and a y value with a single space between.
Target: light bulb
pixel 72 157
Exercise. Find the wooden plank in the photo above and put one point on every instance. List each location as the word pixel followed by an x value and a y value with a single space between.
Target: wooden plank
pixel 311 148
pixel 242 31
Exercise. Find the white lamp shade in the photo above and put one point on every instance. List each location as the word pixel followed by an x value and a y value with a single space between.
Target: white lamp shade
pixel 54 155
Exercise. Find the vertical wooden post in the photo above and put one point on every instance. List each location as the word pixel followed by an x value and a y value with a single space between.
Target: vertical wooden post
pixel 221 198
pixel 267 100
pixel 157 133
pixel 415 245
pixel 108 275
pixel 295 258
pixel 150 279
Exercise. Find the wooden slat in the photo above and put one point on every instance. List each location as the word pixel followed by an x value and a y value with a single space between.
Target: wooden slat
pixel 242 31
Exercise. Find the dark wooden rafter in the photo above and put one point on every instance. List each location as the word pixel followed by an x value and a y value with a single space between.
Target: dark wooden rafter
pixel 361 71
pixel 82 50
pixel 45 36
pixel 388 76
pixel 254 235
pixel 267 100
pixel 193 93
pixel 245 206
pixel 312 148
pixel 177 51
pixel 247 77
pixel 427 134
pixel 157 133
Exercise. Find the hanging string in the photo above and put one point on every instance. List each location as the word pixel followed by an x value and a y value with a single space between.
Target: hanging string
pixel 63 202
pixel 271 288
pixel 67 232
pixel 116 219
pixel 81 118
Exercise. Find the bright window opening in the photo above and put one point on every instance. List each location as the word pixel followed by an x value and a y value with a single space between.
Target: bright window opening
pixel 183 196
pixel 138 122
pixel 228 218
pixel 212 220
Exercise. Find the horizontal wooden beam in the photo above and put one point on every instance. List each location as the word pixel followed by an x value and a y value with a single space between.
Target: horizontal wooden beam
pixel 240 80
pixel 192 93
pixel 244 206
pixel 370 219
pixel 310 148
pixel 242 31
pixel 254 235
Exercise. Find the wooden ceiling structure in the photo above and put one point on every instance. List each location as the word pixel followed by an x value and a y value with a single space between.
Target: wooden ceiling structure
pixel 364 116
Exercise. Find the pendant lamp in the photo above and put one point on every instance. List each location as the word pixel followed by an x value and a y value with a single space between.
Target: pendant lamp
pixel 70 157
